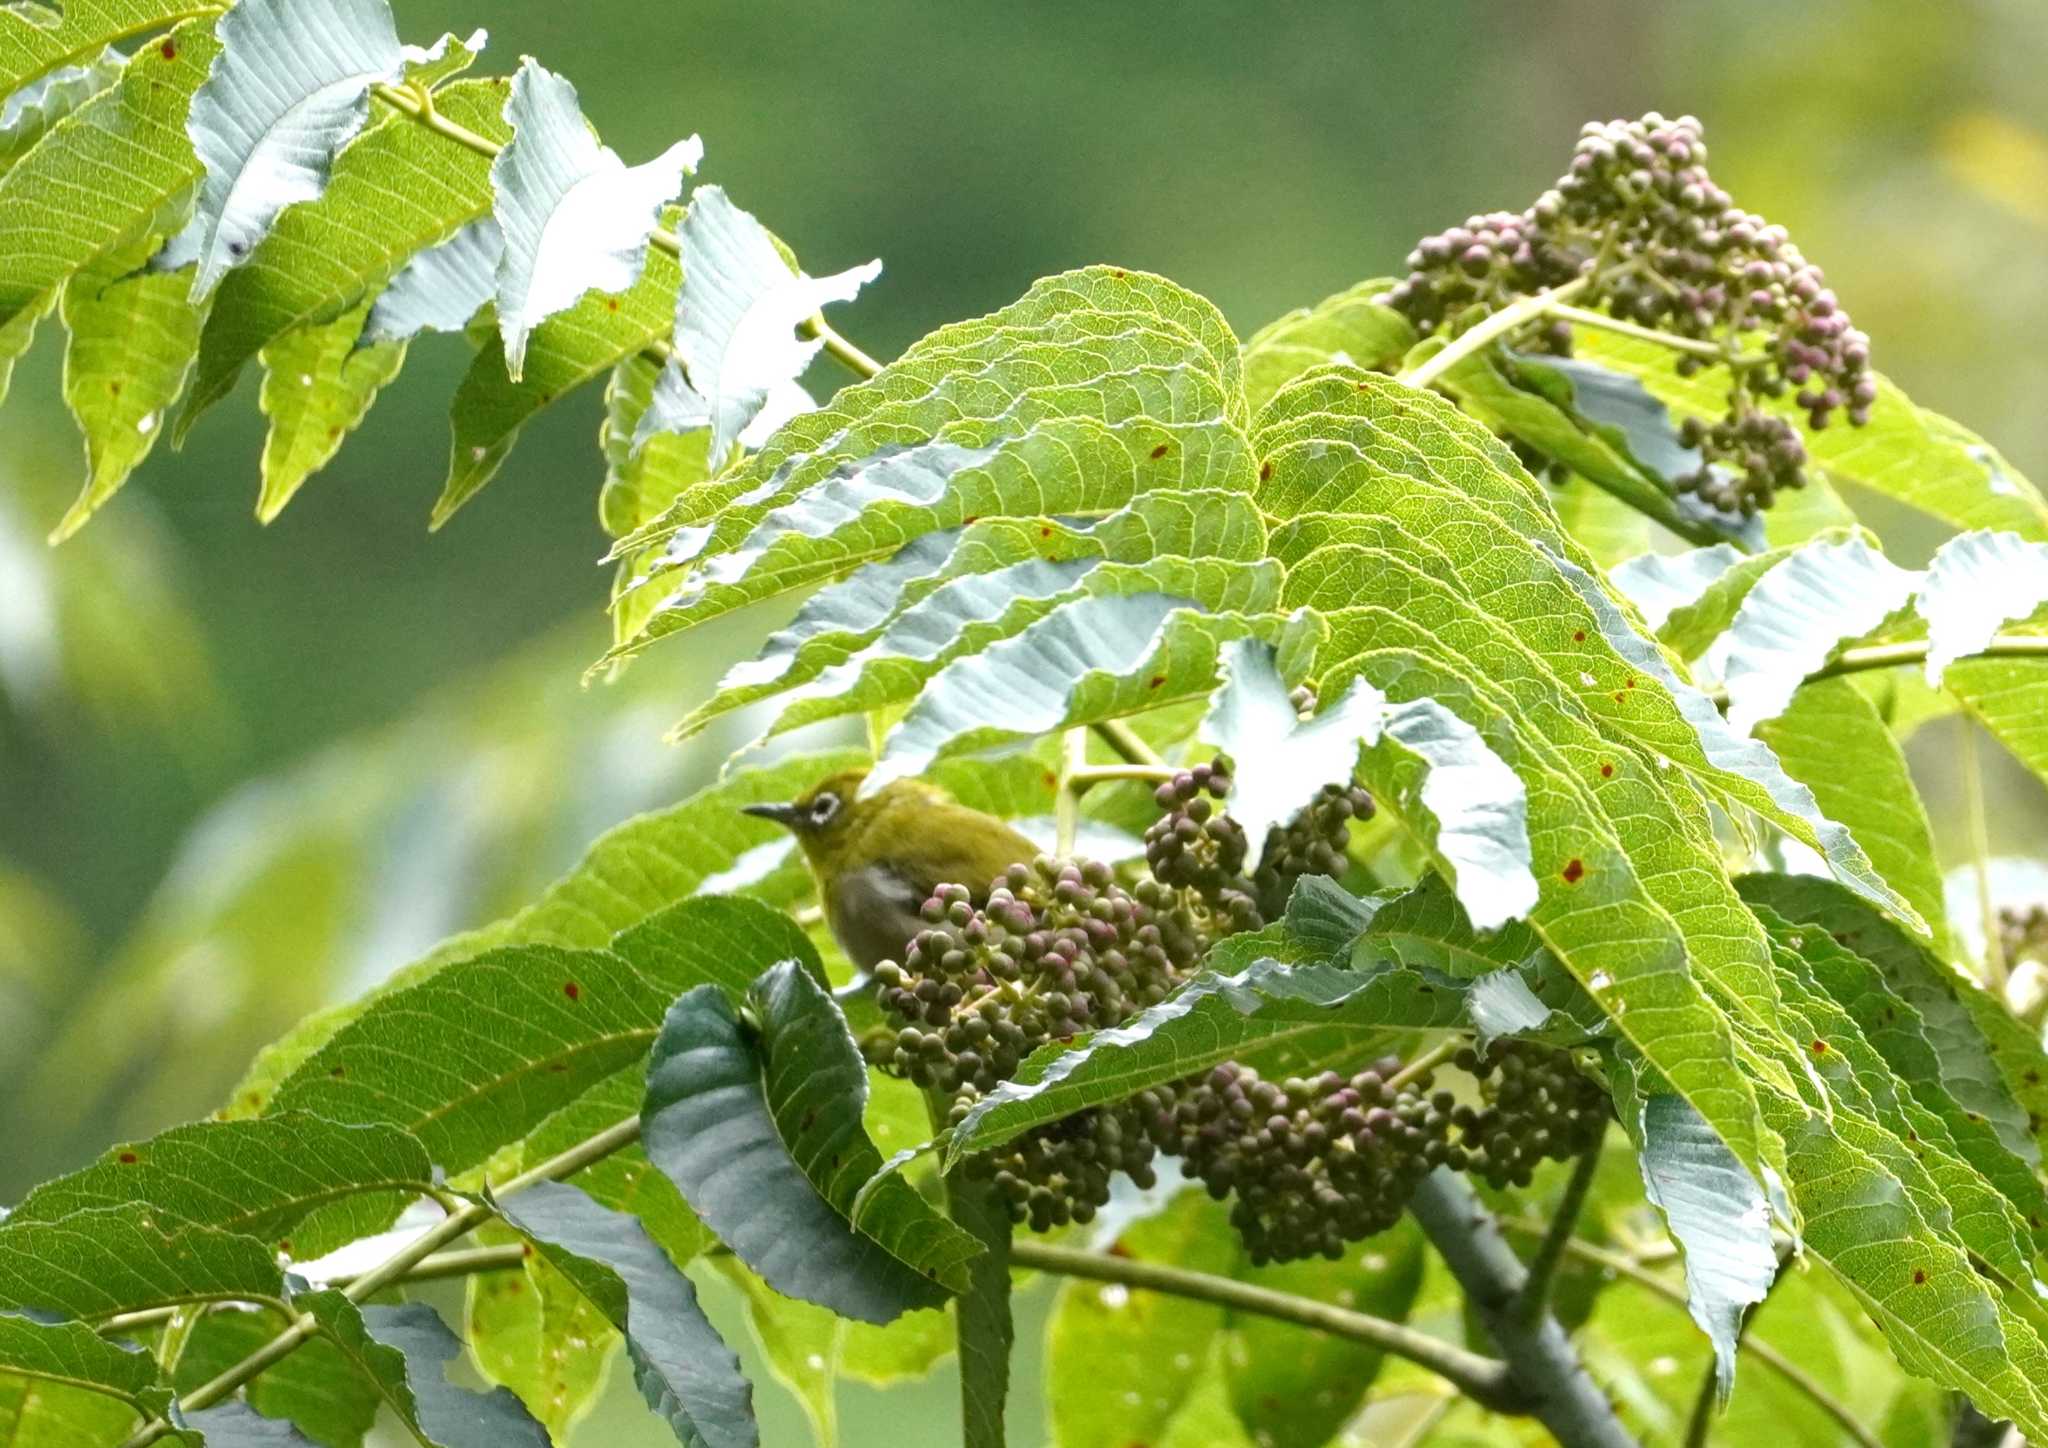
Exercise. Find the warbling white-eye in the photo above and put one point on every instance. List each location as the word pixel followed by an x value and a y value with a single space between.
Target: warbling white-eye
pixel 877 860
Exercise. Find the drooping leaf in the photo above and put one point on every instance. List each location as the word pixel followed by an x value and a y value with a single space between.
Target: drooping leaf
pixel 1096 658
pixel 531 1330
pixel 1798 613
pixel 1476 807
pixel 105 171
pixel 735 342
pixel 35 41
pixel 1211 1019
pixel 441 288
pixel 395 190
pixel 72 1355
pixel 1661 584
pixel 475 1056
pixel 628 874
pixel 405 1352
pixel 1832 739
pixel 1717 1214
pixel 105 1260
pixel 260 1179
pixel 291 87
pixel 28 113
pixel 234 1424
pixel 709 1125
pixel 17 335
pixel 318 385
pixel 684 1370
pixel 1975 585
pixel 1348 327
pixel 133 338
pixel 1920 458
pixel 1988 1064
pixel 575 217
pixel 1693 626
pixel 571 347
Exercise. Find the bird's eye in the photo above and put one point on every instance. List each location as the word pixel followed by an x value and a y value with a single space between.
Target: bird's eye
pixel 823 808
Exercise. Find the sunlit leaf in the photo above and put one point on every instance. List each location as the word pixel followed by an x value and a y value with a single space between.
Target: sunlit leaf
pixel 441 288
pixel 318 385
pixel 29 113
pixel 575 217
pixel 1348 327
pixel 72 1354
pixel 1975 585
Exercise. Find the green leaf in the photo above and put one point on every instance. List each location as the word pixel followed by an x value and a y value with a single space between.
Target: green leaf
pixel 1474 807
pixel 260 1179
pixel 18 334
pixel 105 171
pixel 737 359
pixel 1797 614
pixel 1120 1364
pixel 266 131
pixel 711 1127
pixel 234 1424
pixel 1833 740
pixel 318 385
pixel 1663 584
pixel 133 338
pixel 442 288
pixel 35 41
pixel 531 1330
pixel 395 190
pixel 38 1413
pixel 576 218
pixel 1295 1389
pixel 105 1260
pixel 404 1353
pixel 629 873
pixel 1717 1214
pixel 641 478
pixel 27 115
pixel 817 1090
pixel 1917 457
pixel 684 1370
pixel 1211 1019
pixel 1975 585
pixel 1093 387
pixel 1348 327
pixel 316 1387
pixel 72 1354
pixel 474 1057
pixel 1096 658
pixel 1988 1063
pixel 583 341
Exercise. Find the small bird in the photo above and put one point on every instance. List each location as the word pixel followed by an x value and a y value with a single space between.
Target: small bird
pixel 877 860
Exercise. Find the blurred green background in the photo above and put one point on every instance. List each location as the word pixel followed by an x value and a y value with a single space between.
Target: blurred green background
pixel 244 770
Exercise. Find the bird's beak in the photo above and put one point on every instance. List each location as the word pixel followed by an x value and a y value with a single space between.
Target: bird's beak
pixel 785 815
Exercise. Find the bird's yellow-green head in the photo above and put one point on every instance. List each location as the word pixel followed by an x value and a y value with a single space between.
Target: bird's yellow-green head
pixel 834 826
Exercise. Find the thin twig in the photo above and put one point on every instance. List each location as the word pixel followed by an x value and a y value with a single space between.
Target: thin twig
pixel 1980 856
pixel 1913 651
pixel 1067 804
pixel 393 1269
pixel 1094 774
pixel 1488 330
pixel 1126 741
pixel 1763 1352
pixel 1543 1266
pixel 1423 1064
pixel 1671 341
pixel 1482 1379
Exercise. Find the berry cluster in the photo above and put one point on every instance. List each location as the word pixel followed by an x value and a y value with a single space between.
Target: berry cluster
pixel 1062 1172
pixel 1313 842
pixel 1660 245
pixel 1313 1163
pixel 1194 846
pixel 1538 1106
pixel 1059 949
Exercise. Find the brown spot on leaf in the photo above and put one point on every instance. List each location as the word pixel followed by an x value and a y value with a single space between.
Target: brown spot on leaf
pixel 1578 636
pixel 1820 1048
pixel 127 1158
pixel 1156 681
pixel 612 303
pixel 1118 1249
pixel 1118 273
pixel 1265 471
pixel 1630 684
pixel 114 387
pixel 1045 530
pixel 1607 769
pixel 1160 451
pixel 338 1072
pixel 168 50
pixel 1574 870
pixel 1919 1277
pixel 572 990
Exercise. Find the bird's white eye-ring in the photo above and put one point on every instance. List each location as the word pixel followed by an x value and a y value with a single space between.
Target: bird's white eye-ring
pixel 823 808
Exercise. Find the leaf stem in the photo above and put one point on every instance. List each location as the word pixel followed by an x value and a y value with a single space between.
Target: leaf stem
pixel 1535 1298
pixel 1423 1064
pixel 1670 341
pixel 1794 1375
pixel 1092 774
pixel 1482 1379
pixel 1911 651
pixel 1490 329
pixel 1126 741
pixel 1538 1355
pixel 1067 804
pixel 393 1269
